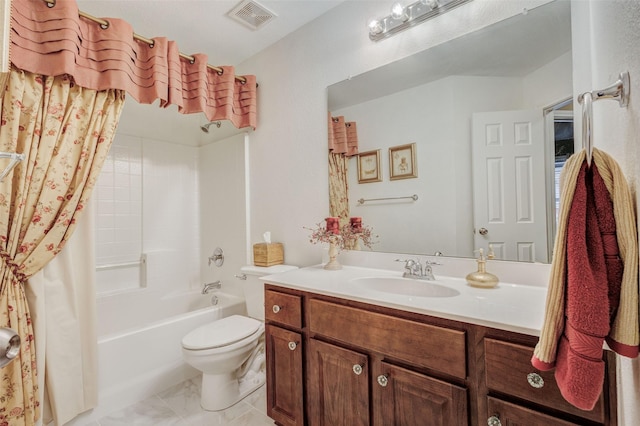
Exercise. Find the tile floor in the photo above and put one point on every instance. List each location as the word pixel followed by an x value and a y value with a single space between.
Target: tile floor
pixel 180 406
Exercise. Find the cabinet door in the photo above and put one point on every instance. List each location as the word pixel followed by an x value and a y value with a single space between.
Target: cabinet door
pixel 284 376
pixel 404 397
pixel 338 386
pixel 501 413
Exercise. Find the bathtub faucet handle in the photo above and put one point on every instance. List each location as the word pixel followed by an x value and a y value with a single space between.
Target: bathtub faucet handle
pixel 217 257
pixel 216 285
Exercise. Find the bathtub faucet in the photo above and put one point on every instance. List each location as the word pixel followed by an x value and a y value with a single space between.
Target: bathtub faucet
pixel 216 285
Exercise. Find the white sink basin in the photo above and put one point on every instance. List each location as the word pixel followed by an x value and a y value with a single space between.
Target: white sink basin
pixel 404 286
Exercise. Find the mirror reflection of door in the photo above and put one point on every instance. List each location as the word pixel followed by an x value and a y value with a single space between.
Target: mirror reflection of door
pixel 510 206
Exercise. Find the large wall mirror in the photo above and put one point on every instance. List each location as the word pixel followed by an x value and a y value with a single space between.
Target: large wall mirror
pixel 489 116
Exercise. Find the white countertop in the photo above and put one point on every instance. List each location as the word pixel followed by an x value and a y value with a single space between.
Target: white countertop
pixel 513 307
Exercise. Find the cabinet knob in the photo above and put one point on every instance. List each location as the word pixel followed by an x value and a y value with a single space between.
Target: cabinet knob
pixel 535 380
pixel 357 368
pixel 383 380
pixel 494 421
pixel 292 346
pixel 275 309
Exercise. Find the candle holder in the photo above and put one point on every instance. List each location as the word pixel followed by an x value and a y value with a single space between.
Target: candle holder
pixel 334 250
pixel 340 238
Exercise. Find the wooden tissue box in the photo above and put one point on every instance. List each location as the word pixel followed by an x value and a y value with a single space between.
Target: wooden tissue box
pixel 268 254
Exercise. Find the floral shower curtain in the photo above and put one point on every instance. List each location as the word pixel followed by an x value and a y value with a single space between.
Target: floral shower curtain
pixel 65 131
pixel 343 143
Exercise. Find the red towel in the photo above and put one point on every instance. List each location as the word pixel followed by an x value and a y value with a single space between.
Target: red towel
pixel 594 275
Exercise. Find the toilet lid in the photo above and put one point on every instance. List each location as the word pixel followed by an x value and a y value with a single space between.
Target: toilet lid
pixel 221 332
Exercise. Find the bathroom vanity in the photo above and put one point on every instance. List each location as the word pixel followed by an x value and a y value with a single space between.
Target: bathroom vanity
pixel 338 354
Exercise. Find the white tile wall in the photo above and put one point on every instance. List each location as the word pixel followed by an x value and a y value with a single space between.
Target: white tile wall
pixel 171 213
pixel 119 199
pixel 147 202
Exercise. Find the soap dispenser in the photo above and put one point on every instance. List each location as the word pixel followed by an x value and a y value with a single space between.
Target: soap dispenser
pixel 481 278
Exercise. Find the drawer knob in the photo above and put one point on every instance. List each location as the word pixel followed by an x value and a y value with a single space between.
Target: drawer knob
pixel 535 380
pixel 357 368
pixel 275 309
pixel 383 380
pixel 292 346
pixel 494 421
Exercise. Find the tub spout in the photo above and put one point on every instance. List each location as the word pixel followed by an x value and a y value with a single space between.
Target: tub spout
pixel 216 285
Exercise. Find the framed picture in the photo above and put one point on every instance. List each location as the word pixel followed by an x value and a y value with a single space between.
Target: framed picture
pixel 402 162
pixel 369 167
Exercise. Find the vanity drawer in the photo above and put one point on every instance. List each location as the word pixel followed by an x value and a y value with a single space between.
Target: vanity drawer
pixel 507 367
pixel 283 308
pixel 422 345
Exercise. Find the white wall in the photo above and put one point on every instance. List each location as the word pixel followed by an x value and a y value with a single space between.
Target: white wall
pixel 222 210
pixel 170 211
pixel 606 35
pixel 289 187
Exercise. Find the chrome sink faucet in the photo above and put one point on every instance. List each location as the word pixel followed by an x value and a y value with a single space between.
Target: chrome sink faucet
pixel 414 269
pixel 216 285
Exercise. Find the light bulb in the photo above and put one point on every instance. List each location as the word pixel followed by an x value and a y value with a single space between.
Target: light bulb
pixel 398 12
pixel 430 3
pixel 375 26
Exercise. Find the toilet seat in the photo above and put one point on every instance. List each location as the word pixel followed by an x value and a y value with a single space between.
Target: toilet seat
pixel 220 333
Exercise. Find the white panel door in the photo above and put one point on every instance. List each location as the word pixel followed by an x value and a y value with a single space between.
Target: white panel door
pixel 509 184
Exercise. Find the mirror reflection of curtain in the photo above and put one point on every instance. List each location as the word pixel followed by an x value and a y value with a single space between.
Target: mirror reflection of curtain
pixel 65 132
pixel 343 143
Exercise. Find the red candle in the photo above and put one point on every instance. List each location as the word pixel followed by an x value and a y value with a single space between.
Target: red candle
pixel 356 224
pixel 333 225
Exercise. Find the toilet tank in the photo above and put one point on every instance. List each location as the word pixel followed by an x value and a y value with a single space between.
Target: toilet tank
pixel 253 286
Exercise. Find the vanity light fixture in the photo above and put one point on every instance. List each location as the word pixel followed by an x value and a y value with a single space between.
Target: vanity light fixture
pixel 403 17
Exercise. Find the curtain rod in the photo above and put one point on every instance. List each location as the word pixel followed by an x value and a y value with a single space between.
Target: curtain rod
pixel 105 24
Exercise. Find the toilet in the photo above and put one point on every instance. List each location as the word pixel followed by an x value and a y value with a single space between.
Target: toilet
pixel 230 351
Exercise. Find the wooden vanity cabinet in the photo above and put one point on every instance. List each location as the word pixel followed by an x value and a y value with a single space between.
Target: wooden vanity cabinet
pixel 412 398
pixel 354 364
pixel 338 385
pixel 391 349
pixel 284 357
pixel 513 384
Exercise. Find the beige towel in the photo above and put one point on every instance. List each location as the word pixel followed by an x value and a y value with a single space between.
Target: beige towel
pixel 624 336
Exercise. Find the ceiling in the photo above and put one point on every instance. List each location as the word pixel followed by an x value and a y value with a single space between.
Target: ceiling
pixel 199 26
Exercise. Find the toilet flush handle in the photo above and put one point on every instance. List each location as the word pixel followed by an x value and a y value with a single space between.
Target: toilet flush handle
pixel 242 277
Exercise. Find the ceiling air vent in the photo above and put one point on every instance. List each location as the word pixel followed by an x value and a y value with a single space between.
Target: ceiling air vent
pixel 251 14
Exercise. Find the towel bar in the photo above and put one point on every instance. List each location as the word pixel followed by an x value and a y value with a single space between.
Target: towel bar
pixel 618 91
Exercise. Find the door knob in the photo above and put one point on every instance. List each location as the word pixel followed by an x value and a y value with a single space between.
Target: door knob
pixel 483 231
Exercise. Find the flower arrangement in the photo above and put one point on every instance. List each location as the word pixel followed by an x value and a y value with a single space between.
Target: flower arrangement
pixel 348 237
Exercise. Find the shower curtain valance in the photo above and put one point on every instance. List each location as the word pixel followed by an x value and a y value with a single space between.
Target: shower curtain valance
pixel 56 40
pixel 343 136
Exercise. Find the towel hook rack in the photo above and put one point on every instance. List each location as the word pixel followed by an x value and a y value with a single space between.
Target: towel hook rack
pixel 618 91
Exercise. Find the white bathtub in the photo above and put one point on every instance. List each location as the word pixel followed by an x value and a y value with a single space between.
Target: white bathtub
pixel 135 363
